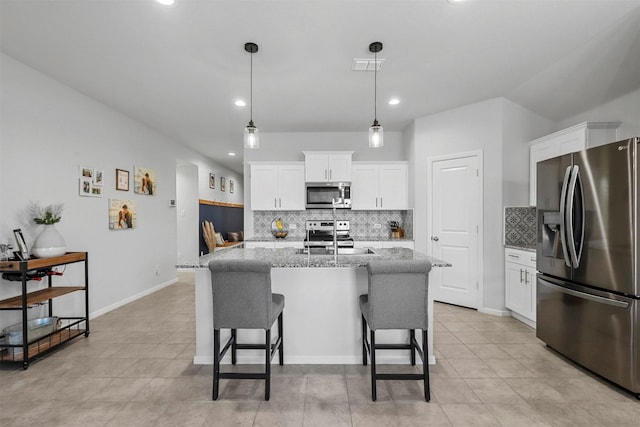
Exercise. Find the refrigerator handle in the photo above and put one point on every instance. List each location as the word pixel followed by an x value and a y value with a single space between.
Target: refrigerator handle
pixel 563 221
pixel 574 182
pixel 590 297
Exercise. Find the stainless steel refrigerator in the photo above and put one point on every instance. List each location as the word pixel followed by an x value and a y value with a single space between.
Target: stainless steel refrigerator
pixel 588 292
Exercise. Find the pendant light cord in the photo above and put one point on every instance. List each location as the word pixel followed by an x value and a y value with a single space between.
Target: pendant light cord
pixel 375 86
pixel 251 90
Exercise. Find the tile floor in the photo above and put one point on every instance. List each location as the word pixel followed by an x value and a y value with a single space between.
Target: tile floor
pixel 136 369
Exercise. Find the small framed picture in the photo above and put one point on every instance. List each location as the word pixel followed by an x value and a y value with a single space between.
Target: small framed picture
pixel 231 186
pixel 122 180
pixel 86 172
pixel 212 180
pixel 21 243
pixel 98 178
pixel 85 186
pixel 96 191
pixel 222 183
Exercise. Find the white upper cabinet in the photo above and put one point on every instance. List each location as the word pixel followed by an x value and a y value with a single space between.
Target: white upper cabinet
pixel 277 187
pixel 327 166
pixel 379 185
pixel 576 138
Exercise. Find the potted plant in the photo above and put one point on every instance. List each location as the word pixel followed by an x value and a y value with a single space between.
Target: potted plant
pixel 49 242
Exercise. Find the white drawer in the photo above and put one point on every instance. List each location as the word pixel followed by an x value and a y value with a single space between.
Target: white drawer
pixel 520 256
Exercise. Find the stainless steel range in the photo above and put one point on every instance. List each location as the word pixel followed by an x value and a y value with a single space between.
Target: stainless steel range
pixel 320 234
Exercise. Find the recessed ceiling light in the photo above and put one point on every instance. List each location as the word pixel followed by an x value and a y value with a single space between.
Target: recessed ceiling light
pixel 240 103
pixel 231 153
pixel 394 101
pixel 166 2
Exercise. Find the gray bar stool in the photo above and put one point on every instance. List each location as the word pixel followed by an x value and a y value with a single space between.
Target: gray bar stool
pixel 242 299
pixel 397 299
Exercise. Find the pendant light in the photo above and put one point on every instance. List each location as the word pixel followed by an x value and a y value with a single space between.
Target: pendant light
pixel 375 131
pixel 251 139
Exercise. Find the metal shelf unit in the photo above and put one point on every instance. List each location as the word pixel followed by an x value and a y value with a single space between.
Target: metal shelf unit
pixel 72 326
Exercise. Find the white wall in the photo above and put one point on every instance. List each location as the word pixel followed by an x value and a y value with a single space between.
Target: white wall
pixel 289 147
pixel 500 129
pixel 519 126
pixel 625 109
pixel 187 212
pixel 46 131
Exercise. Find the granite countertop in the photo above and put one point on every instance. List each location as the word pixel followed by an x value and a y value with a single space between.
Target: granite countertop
pixel 288 258
pixel 520 248
pixel 300 239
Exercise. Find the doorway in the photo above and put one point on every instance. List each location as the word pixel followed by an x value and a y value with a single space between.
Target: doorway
pixel 455 227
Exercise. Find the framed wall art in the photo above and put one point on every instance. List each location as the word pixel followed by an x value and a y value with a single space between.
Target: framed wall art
pixel 212 180
pixel 122 180
pixel 231 186
pixel 145 181
pixel 122 214
pixel 98 178
pixel 222 183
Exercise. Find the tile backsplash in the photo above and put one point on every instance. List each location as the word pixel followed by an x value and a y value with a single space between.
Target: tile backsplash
pixel 520 227
pixel 363 223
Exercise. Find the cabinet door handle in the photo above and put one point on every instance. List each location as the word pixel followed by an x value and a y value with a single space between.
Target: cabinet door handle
pixel 526 278
pixel 325 174
pixel 330 173
pixel 514 256
pixel 275 202
pixel 376 202
pixel 520 275
pixel 280 201
pixel 380 201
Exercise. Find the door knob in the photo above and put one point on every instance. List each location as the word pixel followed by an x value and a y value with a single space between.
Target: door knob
pixel 435 238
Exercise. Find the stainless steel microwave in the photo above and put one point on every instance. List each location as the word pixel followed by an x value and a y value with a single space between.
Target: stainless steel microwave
pixel 321 196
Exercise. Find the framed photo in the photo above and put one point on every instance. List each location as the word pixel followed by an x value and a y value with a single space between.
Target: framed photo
pixel 22 246
pixel 222 183
pixel 122 214
pixel 85 187
pixel 231 186
pixel 212 180
pixel 122 180
pixel 145 181
pixel 98 178
pixel 86 173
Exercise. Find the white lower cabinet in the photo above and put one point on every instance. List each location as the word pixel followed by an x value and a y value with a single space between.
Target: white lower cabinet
pixel 520 284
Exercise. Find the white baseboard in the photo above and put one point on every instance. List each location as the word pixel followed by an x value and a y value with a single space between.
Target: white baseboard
pixel 494 312
pixel 312 360
pixel 132 298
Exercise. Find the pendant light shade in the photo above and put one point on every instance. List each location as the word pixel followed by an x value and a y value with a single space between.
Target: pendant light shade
pixel 251 137
pixel 376 136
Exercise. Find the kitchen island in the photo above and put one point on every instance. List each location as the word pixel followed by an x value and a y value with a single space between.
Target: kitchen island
pixel 321 315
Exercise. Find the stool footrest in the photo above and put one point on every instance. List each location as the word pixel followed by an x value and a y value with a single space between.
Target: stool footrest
pixel 242 375
pixel 399 376
pixel 393 347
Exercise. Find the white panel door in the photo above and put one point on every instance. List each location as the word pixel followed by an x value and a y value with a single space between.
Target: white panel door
pixel 455 220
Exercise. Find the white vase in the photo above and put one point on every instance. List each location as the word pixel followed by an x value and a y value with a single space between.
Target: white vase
pixel 49 243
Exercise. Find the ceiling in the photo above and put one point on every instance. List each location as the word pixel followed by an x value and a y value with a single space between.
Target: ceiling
pixel 179 69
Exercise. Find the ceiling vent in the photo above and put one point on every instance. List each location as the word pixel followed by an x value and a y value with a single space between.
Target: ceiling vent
pixel 366 64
